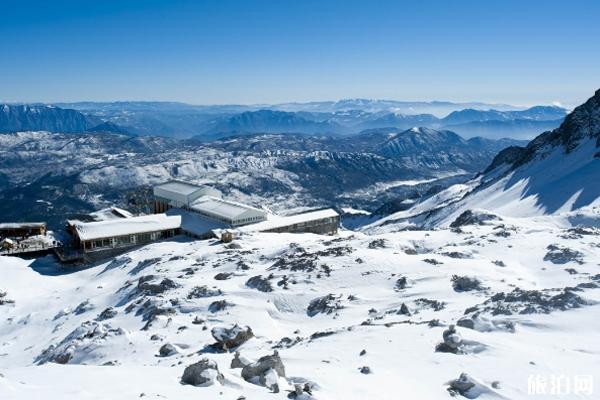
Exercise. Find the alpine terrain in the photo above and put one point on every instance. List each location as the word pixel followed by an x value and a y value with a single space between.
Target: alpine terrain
pixel 477 289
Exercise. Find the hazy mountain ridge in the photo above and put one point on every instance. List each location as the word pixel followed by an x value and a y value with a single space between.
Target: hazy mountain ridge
pixel 17 118
pixel 343 117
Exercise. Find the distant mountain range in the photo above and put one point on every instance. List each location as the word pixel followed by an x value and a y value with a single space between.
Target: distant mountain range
pixel 345 117
pixel 15 118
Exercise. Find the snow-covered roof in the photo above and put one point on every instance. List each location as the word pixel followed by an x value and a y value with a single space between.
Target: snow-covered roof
pixel 223 208
pixel 21 225
pixel 110 213
pixel 127 226
pixel 276 221
pixel 195 223
pixel 179 187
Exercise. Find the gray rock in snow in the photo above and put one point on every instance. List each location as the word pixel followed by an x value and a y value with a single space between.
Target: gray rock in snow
pixel 562 255
pixel 259 283
pixel 222 276
pixel 199 292
pixel 473 218
pixel 107 314
pixel 148 287
pixel 401 283
pixel 218 305
pixel 326 305
pixel 203 373
pixel 167 350
pixel 465 283
pixel 452 341
pixel 462 385
pixel 4 300
pixel 229 338
pixel 238 361
pixel 521 301
pixel 365 370
pixel 83 307
pixel 264 370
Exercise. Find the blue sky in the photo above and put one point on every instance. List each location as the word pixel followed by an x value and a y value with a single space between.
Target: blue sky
pixel 208 52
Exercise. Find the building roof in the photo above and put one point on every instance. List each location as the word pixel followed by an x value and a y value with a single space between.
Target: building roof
pixel 195 223
pixel 183 188
pixel 224 208
pixel 22 225
pixel 110 213
pixel 277 221
pixel 127 226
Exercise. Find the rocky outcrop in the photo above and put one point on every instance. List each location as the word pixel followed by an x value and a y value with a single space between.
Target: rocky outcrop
pixel 230 338
pixel 266 371
pixel 324 305
pixel 203 373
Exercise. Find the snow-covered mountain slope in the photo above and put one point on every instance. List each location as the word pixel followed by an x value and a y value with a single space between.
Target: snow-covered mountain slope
pixel 51 177
pixel 557 173
pixel 354 316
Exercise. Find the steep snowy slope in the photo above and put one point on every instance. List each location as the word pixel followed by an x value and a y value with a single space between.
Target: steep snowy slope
pixel 354 317
pixel 557 173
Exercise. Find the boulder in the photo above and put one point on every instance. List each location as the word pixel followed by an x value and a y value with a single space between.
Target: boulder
pixel 229 338
pixel 465 283
pixel 167 350
pixel 264 370
pixel 473 218
pixel 462 385
pixel 106 314
pixel 239 361
pixel 259 283
pixel 203 373
pixel 326 305
pixel 452 341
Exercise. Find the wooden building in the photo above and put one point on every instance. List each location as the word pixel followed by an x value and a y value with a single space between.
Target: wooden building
pixel 22 230
pixel 103 236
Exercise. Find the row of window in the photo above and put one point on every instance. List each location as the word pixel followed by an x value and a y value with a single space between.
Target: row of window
pixel 128 240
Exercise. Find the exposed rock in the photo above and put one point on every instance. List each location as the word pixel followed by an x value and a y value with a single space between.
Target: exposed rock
pixel 404 310
pixel 259 283
pixel 239 361
pixel 264 370
pixel 203 373
pixel 473 218
pixel 167 350
pixel 452 341
pixel 229 338
pixel 521 301
pixel 148 287
pixel 4 300
pixel 401 283
pixel 107 314
pixel 326 305
pixel 377 244
pixel 562 255
pixel 434 304
pixel 218 305
pixel 365 370
pixel 79 343
pixel 465 283
pixel 83 307
pixel 222 276
pixel 462 385
pixel 199 292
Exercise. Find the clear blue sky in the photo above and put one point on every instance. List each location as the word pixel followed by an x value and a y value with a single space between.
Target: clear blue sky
pixel 226 51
